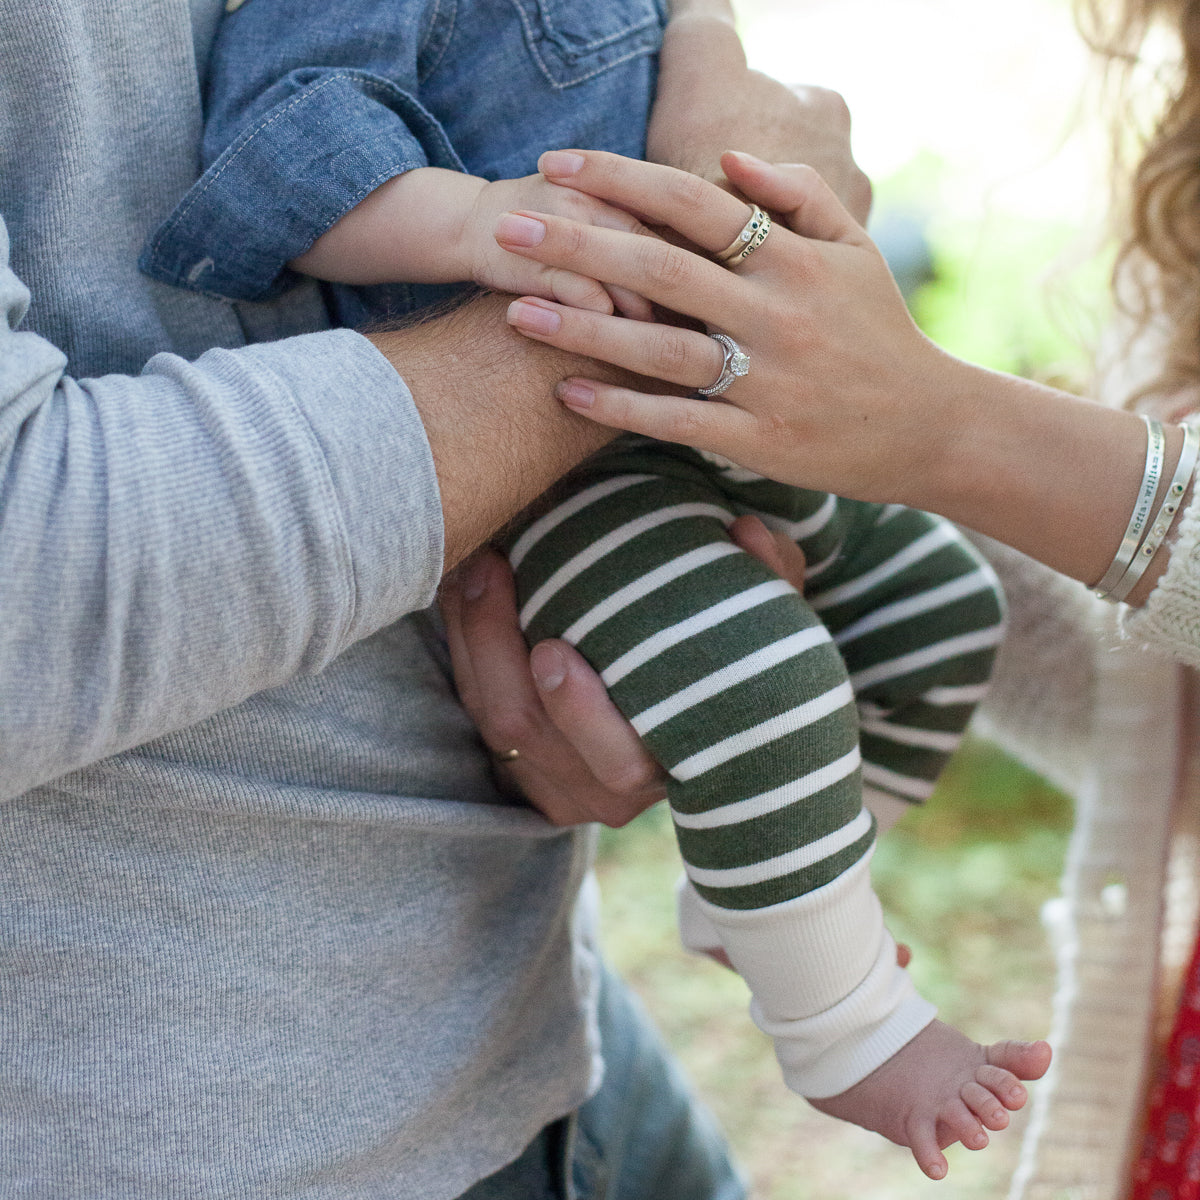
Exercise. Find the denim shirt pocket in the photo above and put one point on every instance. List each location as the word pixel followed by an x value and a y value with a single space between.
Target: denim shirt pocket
pixel 574 40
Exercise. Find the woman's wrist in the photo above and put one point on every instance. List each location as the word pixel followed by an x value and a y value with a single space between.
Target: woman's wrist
pixel 1049 473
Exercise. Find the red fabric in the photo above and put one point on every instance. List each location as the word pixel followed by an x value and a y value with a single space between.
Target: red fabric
pixel 1168 1165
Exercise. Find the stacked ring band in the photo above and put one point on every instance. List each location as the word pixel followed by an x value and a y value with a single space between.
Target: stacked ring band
pixel 752 235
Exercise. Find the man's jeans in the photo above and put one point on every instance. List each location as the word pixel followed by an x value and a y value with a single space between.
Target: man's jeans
pixel 643 1136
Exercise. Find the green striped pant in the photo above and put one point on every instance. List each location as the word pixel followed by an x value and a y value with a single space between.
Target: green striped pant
pixel 770 711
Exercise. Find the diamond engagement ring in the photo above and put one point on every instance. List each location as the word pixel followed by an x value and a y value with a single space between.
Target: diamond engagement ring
pixel 752 235
pixel 735 366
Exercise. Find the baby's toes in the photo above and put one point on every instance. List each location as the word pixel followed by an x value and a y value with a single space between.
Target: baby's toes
pixel 990 1112
pixel 1003 1085
pixel 958 1124
pixel 923 1142
pixel 1026 1060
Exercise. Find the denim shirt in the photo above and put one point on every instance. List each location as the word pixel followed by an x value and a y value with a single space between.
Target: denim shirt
pixel 311 106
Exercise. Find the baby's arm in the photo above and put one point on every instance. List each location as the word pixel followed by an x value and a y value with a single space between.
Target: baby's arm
pixel 432 225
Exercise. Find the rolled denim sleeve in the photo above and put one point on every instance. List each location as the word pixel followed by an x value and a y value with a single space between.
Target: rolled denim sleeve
pixel 330 139
pixel 173 542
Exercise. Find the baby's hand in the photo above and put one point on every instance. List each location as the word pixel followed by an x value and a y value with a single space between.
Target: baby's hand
pixel 941 1088
pixel 493 267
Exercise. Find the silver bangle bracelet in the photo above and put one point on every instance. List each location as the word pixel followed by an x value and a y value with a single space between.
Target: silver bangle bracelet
pixel 1151 474
pixel 1163 519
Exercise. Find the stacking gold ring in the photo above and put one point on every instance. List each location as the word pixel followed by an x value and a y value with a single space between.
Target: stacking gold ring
pixel 506 755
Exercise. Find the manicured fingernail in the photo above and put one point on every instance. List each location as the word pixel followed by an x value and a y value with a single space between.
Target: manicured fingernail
pixel 560 162
pixel 548 667
pixel 533 318
pixel 576 394
pixel 475 579
pixel 517 230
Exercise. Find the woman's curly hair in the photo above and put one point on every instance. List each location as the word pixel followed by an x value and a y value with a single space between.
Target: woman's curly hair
pixel 1157 155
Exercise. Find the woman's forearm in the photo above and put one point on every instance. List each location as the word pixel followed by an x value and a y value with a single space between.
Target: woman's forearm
pixel 1052 475
pixel 843 392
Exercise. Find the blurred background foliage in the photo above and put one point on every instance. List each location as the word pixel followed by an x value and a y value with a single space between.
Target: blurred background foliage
pixel 962 881
pixel 978 129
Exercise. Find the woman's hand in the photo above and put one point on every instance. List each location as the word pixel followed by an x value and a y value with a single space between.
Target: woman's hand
pixel 843 393
pixel 578 758
pixel 842 385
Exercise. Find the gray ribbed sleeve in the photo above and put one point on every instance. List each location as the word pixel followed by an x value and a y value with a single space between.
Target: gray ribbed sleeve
pixel 174 542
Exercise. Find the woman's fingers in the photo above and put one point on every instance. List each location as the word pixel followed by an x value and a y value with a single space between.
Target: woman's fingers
pixel 706 425
pixel 665 352
pixel 665 274
pixel 704 213
pixel 795 192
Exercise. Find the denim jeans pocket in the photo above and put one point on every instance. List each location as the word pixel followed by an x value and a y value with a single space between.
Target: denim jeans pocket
pixel 573 40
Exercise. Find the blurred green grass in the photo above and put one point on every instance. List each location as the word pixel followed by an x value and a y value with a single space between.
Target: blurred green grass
pixel 962 880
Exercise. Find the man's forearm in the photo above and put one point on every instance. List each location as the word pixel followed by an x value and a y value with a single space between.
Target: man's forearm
pixel 486 396
pixel 709 101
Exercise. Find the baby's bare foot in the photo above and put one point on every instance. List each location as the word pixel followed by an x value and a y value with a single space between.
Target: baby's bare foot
pixel 939 1089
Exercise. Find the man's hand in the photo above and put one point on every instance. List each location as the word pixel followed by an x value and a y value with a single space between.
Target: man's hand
pixel 578 758
pixel 709 101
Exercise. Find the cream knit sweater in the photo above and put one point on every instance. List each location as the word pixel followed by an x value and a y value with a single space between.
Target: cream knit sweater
pixel 1093 698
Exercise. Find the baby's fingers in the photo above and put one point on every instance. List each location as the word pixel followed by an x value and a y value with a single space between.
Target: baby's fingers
pixel 630 304
pixel 577 291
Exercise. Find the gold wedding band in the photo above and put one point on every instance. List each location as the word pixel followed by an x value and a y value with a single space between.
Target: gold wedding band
pixel 751 236
pixel 507 755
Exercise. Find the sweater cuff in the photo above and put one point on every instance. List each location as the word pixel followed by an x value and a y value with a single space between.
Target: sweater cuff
pixel 822 1056
pixel 380 466
pixel 1170 620
pixel 823 974
pixel 288 178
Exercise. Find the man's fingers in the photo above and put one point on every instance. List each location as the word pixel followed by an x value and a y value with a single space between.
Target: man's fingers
pixel 450 603
pixel 578 758
pixel 505 704
pixel 576 702
pixel 774 550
